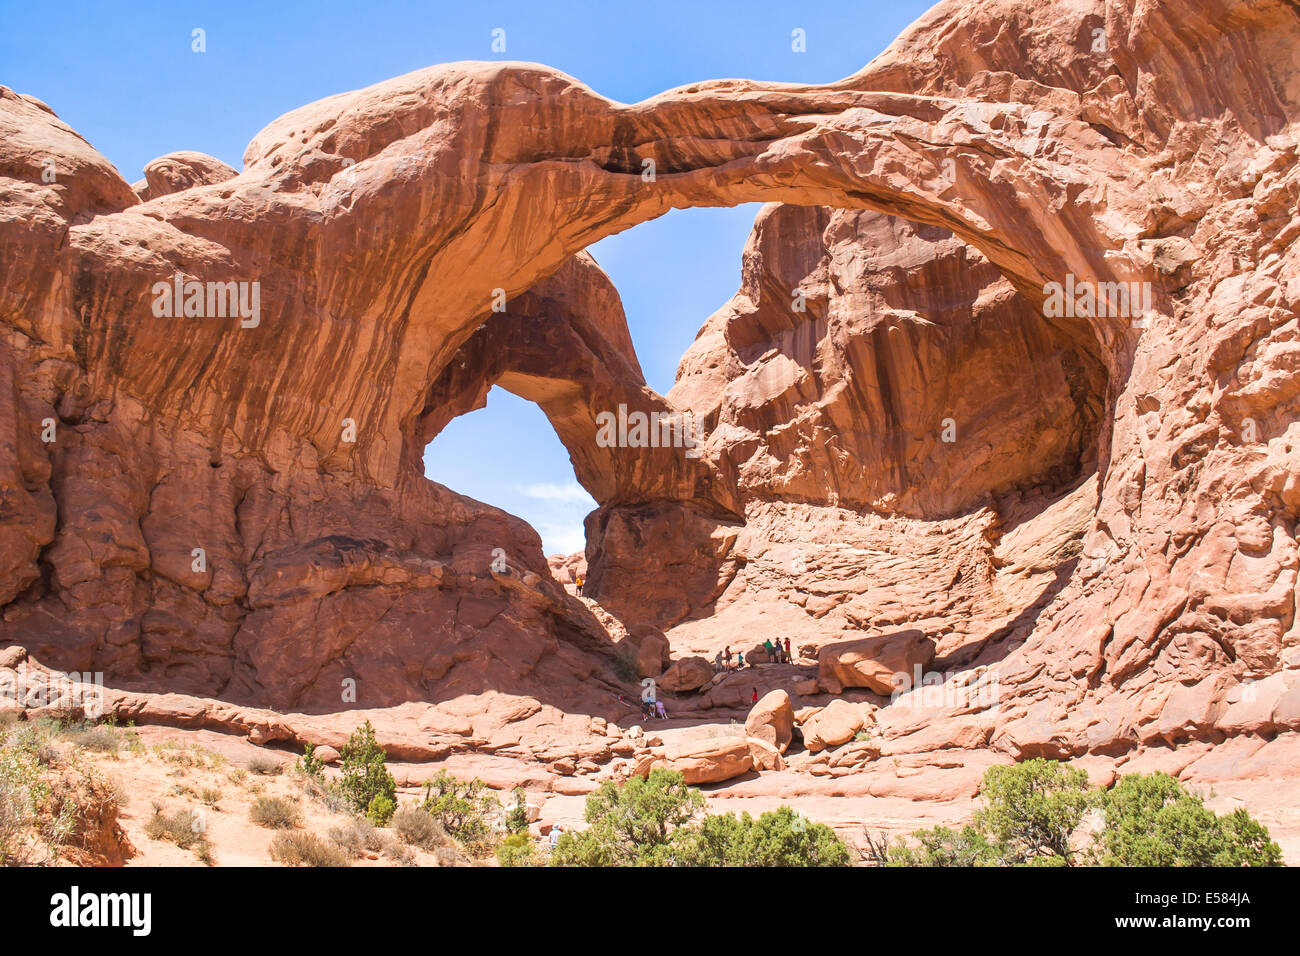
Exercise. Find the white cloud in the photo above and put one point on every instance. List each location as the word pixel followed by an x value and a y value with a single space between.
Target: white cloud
pixel 569 492
pixel 562 538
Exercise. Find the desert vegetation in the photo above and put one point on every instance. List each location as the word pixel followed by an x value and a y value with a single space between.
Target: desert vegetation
pixel 57 804
pixel 54 806
pixel 1044 813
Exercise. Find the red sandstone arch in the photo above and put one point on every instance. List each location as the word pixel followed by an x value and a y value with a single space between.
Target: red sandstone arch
pixel 381 223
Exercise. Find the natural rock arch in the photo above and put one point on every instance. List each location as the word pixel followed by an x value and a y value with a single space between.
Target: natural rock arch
pixel 380 223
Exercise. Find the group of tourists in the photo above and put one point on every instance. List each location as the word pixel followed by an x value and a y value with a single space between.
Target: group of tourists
pixel 651 706
pixel 726 660
pixel 776 653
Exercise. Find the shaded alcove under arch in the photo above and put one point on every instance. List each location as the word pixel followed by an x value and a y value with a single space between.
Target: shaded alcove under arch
pixel 841 404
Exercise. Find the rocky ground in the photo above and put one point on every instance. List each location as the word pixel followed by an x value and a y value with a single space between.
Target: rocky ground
pixel 852 760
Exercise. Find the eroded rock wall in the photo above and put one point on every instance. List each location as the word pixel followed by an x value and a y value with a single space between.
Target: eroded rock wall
pixel 1137 142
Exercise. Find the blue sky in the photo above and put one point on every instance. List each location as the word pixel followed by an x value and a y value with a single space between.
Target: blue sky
pixel 125 77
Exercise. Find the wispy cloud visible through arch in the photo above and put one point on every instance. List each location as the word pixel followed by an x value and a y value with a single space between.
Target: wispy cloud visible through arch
pixel 569 493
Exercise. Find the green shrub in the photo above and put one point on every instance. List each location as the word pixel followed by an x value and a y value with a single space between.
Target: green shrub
pixel 778 838
pixel 517 818
pixel 944 847
pixel 517 849
pixel 632 824
pixel 49 802
pixel 276 813
pixel 463 808
pixel 365 775
pixel 309 765
pixel 23 790
pixel 306 849
pixel 1032 808
pixel 1151 820
pixel 380 810
pixel 658 821
pixel 1032 816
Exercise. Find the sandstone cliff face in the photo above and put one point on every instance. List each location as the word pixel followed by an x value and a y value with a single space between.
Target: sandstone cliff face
pixel 912 380
pixel 1137 142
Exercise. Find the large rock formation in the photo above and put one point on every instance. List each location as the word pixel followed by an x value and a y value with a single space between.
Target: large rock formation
pixel 1098 511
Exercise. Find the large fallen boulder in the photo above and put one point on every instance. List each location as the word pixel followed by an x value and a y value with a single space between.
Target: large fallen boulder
pixel 766 756
pixel 653 654
pixel 690 673
pixel 772 720
pixel 872 662
pixel 705 761
pixel 835 724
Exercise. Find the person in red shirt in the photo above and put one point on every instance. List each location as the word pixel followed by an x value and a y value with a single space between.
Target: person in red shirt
pixel 754 699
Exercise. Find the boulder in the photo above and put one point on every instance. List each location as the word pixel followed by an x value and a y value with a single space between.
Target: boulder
pixel 179 171
pixel 706 761
pixel 766 757
pixel 872 662
pixel 653 653
pixel 834 725
pixel 806 688
pixel 439 722
pixel 772 720
pixel 690 673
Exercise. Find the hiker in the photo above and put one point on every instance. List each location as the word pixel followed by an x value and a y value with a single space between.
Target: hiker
pixel 728 657
pixel 754 699
pixel 776 655
pixel 788 658
pixel 579 583
pixel 659 708
pixel 771 653
pixel 717 662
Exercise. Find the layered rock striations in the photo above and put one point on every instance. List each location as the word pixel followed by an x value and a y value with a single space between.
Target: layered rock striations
pixel 229 501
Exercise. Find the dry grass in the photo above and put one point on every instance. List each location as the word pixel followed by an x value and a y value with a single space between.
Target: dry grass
pixel 275 813
pixel 418 828
pixel 182 827
pixel 306 849
pixel 262 764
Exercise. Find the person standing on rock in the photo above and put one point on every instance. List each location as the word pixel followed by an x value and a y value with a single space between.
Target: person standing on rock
pixel 767 646
pixel 788 658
